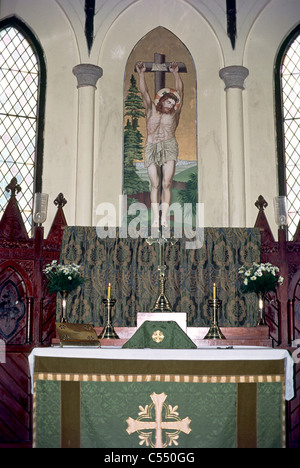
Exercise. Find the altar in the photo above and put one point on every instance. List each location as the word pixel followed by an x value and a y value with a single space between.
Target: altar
pixel 108 397
pixel 208 393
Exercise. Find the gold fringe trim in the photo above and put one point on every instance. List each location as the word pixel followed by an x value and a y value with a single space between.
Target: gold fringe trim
pixel 160 378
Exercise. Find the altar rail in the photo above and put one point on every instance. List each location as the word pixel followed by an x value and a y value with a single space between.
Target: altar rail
pixel 28 311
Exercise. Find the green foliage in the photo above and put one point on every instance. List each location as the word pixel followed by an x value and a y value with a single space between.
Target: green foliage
pixel 133 141
pixel 63 277
pixel 190 194
pixel 134 107
pixel 262 278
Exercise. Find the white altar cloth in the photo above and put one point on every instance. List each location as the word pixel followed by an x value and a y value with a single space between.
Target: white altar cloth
pixel 212 353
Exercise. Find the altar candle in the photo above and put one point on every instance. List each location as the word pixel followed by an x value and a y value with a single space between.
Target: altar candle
pixel 109 291
pixel 214 291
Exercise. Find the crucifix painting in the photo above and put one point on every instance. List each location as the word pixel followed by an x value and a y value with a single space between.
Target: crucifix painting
pixel 161 150
pixel 160 160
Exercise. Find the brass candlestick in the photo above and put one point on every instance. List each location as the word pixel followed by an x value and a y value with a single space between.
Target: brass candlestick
pixel 214 332
pixel 261 321
pixel 108 332
pixel 162 303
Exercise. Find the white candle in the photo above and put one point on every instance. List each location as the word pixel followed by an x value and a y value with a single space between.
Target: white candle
pixel 214 291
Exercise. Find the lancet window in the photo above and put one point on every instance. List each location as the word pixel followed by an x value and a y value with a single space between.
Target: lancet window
pixel 287 82
pixel 22 95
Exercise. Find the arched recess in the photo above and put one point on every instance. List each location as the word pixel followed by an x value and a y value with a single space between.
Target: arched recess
pixel 117 43
pixel 15 303
pixel 135 177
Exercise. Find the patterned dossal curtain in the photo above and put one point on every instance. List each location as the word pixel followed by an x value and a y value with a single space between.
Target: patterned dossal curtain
pixel 130 265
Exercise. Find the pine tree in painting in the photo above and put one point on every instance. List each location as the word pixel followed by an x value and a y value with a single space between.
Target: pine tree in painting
pixel 133 141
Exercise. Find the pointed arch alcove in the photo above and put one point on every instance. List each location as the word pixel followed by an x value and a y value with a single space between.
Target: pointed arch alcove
pixel 160 41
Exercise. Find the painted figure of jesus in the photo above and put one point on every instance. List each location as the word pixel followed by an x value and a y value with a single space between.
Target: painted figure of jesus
pixel 161 149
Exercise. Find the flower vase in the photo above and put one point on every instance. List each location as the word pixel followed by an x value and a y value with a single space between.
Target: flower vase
pixel 64 302
pixel 261 309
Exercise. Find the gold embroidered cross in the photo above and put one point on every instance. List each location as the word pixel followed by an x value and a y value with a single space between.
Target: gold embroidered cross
pixel 158 336
pixel 173 424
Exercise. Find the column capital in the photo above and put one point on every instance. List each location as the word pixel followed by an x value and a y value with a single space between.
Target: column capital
pixel 87 74
pixel 234 76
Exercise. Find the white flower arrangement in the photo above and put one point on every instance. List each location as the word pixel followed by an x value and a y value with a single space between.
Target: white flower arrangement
pixel 63 277
pixel 263 277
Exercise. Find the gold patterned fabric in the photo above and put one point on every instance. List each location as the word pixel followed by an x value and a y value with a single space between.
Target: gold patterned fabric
pixel 105 403
pixel 130 265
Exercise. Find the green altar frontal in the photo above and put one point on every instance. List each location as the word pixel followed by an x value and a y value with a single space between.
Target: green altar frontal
pixel 145 403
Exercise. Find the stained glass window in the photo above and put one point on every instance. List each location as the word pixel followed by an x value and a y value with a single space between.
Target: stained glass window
pixel 20 79
pixel 289 117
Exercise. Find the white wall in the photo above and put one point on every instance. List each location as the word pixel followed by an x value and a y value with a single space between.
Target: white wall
pixel 186 23
pixel 201 26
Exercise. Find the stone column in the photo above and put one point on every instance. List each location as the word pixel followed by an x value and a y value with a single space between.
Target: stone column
pixel 87 77
pixel 234 77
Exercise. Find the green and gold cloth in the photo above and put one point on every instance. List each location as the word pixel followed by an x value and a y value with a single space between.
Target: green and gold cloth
pixel 130 265
pixel 163 335
pixel 171 402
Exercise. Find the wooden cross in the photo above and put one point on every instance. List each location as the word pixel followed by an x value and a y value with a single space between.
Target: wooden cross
pixel 160 67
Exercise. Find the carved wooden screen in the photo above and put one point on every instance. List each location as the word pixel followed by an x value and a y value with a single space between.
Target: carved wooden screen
pixel 27 313
pixel 295 325
pixel 15 305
